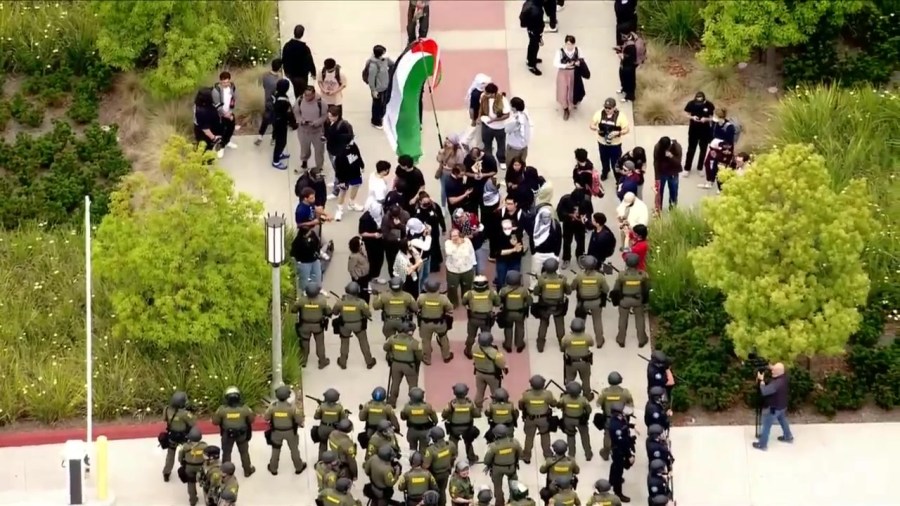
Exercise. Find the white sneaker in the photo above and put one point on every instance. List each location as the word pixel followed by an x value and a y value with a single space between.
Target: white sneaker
pixel 220 153
pixel 560 8
pixel 355 207
pixel 705 186
pixel 331 196
pixel 232 145
pixel 339 215
pixel 552 30
pixel 502 166
pixel 685 173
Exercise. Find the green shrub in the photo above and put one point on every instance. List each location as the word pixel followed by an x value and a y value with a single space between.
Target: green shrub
pixel 677 22
pixel 802 386
pixel 43 37
pixel 839 392
pixel 674 234
pixel 254 24
pixel 4 114
pixel 26 113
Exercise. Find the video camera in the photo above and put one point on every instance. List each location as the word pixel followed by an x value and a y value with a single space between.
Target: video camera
pixel 756 362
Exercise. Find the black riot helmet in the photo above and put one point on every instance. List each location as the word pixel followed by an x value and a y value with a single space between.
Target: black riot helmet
pixel 431 498
pixel 480 283
pixel 228 468
pixel 632 260
pixel 344 425
pixel 416 459
pixel 212 452
pixel 395 284
pixel 655 430
pixel 232 396
pixel 416 394
pixel 194 435
pixel 563 482
pixel 485 495
pixel 331 395
pixel 432 286
pixel 178 400
pixel 501 431
pixel 514 278
pixel 657 393
pixel 460 390
pixel 602 485
pixel 573 388
pixel 657 466
pixel 589 263
pixel 560 447
pixel 577 325
pixel 329 457
pixel 659 358
pixel 551 265
pixel 500 395
pixel 313 289
pixel 660 500
pixel 379 394
pixel 485 339
pixel 537 382
pixel 283 393
pixel 385 452
pixel 436 434
pixel 342 485
pixel 614 378
pixel 352 288
pixel 385 426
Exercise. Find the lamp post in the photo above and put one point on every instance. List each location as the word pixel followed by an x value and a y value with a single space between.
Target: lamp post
pixel 275 255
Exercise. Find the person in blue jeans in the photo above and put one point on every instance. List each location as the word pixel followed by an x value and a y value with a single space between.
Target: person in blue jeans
pixel 775 394
pixel 666 168
pixel 305 252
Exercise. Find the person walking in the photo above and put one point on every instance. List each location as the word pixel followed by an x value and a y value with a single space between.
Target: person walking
pixel 776 394
pixel 348 169
pixel 566 60
pixel 460 265
pixel 518 131
pixel 417 16
pixel 224 95
pixel 628 64
pixel 332 83
pixel 338 134
pixel 378 77
pixel 611 126
pixel 311 115
pixel 531 18
pixel 495 110
pixel 626 18
pixel 549 7
pixel 666 167
pixel 268 81
pixel 699 111
pixel 282 116
pixel 298 61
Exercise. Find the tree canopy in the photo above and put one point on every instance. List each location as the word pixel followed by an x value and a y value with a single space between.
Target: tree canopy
pixel 183 258
pixel 786 253
pixel 732 29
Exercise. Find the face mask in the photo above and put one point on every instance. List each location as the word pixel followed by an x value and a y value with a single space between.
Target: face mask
pixel 507 231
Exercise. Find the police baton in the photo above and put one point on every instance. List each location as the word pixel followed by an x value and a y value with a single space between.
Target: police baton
pixel 338 297
pixel 673 374
pixel 557 385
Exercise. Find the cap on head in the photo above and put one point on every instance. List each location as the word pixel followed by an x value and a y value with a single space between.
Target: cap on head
pixel 573 388
pixel 385 452
pixel 379 394
pixel 194 434
pixel 395 283
pixel 283 393
pixel 227 468
pixel 329 457
pixel 500 395
pixel 657 465
pixel 331 395
pixel 589 263
pixel 657 391
pixel 485 495
pixel 632 260
pixel 432 286
pixel 501 431
pixel 559 447
pixel 212 452
pixel 551 265
pixel 577 325
pixel 179 400
pixel 416 394
pixel 416 459
pixel 342 485
pixel 313 289
pixel 485 339
pixel 609 103
pixel 480 282
pixel 537 382
pixel 352 288
pixel 513 278
pixel 462 465
pixel 614 378
pixel 344 425
pixel 436 434
pixel 460 390
pixel 602 485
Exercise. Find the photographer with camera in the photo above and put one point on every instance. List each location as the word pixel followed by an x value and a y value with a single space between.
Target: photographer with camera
pixel 775 395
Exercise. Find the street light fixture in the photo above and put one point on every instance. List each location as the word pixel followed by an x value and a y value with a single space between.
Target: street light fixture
pixel 275 255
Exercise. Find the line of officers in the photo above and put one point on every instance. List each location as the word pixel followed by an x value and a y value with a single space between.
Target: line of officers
pixel 433 462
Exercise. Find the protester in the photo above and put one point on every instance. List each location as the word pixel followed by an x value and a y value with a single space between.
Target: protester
pixel 312 115
pixel 313 180
pixel 338 135
pixel 406 267
pixel 370 232
pixel 378 184
pixel 638 157
pixel 305 251
pixel 282 116
pixel 611 126
pixel 358 266
pixel 494 111
pixel 473 103
pixel 602 243
pixel 268 81
pixel 721 154
pixel 626 18
pixel 348 171
pixel 583 172
pixel 509 252
pixel 378 77
pixel 431 214
pixel 628 182
pixel 699 111
pixel 638 245
pixel 567 60
pixel 531 18
pixel 490 212
pixel 666 166
pixel 460 265
pixel 393 230
pixel 628 63
pixel 480 167
pixel 459 194
pixel 305 215
pixel 545 232
pixel 331 83
pixel 550 11
pixel 418 13
pixel 723 128
pixel 573 211
pixel 408 181
pixel 418 235
pixel 632 212
pixel 224 97
pixel 518 130
pixel 742 162
pixel 207 123
pixel 298 61
pixel 450 156
pixel 469 226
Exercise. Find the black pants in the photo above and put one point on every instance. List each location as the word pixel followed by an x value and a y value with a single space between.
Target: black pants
pixel 411 23
pixel 534 43
pixel 628 79
pixel 227 130
pixel 390 254
pixel 299 84
pixel 488 137
pixel 697 139
pixel 201 138
pixel 576 231
pixel 617 472
pixel 279 133
pixel 550 11
pixel 379 104
pixel 623 26
pixel 375 254
pixel 266 121
pixel 609 158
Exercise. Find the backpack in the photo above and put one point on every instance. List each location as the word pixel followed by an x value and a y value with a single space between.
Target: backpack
pixel 640 49
pixel 337 74
pixel 596 185
pixel 738 130
pixel 365 73
pixel 530 12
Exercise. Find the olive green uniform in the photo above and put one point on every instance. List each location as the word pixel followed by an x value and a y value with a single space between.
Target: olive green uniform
pixel 434 307
pixel 514 304
pixel 490 365
pixel 377 441
pixel 332 497
pixel 353 318
pixel 404 356
pixel 501 413
pixel 284 418
pixel 536 406
pixel 609 396
pixel 373 412
pixel 312 314
pixel 420 417
pixel 439 459
pixel 328 414
pixel 522 502
pixel 178 423
pixel 460 415
pixel 576 412
pixel 578 359
pixel 414 483
pixel 480 306
pixel 566 497
pixel 604 499
pixel 551 291
pixel 382 479
pixel 559 467
pixel 191 458
pixel 592 291
pixel 230 484
pixel 502 460
pixel 326 475
pixel 210 479
pixel 236 426
pixel 460 488
pixel 395 307
pixel 633 285
pixel 345 447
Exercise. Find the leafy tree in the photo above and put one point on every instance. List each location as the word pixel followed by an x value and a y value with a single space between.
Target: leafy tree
pixel 732 29
pixel 786 253
pixel 183 41
pixel 183 258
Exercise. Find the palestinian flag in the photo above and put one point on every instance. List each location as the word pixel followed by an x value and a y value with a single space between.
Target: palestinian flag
pixel 418 64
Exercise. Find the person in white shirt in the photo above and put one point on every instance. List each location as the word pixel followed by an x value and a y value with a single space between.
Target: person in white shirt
pixel 459 260
pixel 378 185
pixel 631 212
pixel 495 111
pixel 518 131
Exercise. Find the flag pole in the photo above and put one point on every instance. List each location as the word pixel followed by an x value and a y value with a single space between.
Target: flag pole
pixel 430 83
pixel 88 328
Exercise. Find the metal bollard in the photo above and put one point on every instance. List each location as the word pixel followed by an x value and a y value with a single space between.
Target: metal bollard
pixel 73 453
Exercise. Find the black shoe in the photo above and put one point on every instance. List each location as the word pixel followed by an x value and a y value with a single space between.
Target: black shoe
pixel 371 364
pixel 604 177
pixel 166 477
pixel 507 348
pixel 536 71
pixel 468 353
pixel 519 349
pixel 539 60
pixel 540 347
pixel 325 364
pixel 302 468
pixel 304 165
pixel 641 345
pixel 589 456
pixel 342 364
pixel 624 498
pixel 527 461
pixel 622 344
pixel 274 472
pixel 449 358
pixel 249 472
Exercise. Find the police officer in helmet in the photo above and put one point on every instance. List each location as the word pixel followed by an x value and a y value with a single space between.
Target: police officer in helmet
pixel 550 291
pixel 515 301
pixel 610 395
pixel 284 419
pixel 659 373
pixel 235 422
pixel 657 446
pixel 480 302
pixel 435 319
pixel 312 318
pixel 592 290
pixel 622 448
pixel 396 306
pixel 631 293
pixel 353 315
pixel 656 412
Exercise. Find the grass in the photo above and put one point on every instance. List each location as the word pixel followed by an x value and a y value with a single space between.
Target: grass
pixel 674 234
pixel 723 82
pixel 672 21
pixel 657 108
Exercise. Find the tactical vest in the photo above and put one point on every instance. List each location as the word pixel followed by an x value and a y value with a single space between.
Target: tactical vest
pixel 341 443
pixel 578 346
pixel 178 421
pixel 418 415
pixel 193 453
pixel 515 299
pixel 536 404
pixel 505 453
pixel 483 360
pixel 553 291
pixel 402 350
pixel 631 284
pixel 331 413
pixel 561 469
pixel 351 310
pixel 394 304
pixel 326 476
pixel 377 441
pixel 480 302
pixel 610 396
pixel 589 286
pixel 282 416
pixel 332 497
pixel 608 124
pixel 605 499
pixel 461 412
pixel 312 311
pixel 572 407
pixel 233 418
pixel 432 307
pixel 376 413
pixel 418 481
pixel 442 457
pixel 565 498
pixel 502 413
pixel 656 376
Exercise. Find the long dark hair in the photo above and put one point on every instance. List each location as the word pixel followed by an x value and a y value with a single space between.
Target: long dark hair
pixel 203 97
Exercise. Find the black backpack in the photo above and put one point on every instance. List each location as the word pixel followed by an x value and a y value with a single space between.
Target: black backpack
pixel 531 12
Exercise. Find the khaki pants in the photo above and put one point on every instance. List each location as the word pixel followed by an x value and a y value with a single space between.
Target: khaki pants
pixel 280 438
pixel 442 479
pixel 363 339
pixel 314 331
pixel 391 326
pixel 483 382
pixel 459 282
pixel 595 311
pixel 400 371
pixel 417 439
pixel 625 308
pixel 228 444
pixel 582 370
pixel 434 330
pixel 516 328
pixel 311 139
pixel 475 325
pixel 170 461
pixel 454 438
pixel 497 480
pixel 570 426
pixel 541 426
pixel 514 153
pixel 558 322
pixel 192 473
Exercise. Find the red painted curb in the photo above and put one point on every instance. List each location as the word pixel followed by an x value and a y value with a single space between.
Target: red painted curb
pixel 112 432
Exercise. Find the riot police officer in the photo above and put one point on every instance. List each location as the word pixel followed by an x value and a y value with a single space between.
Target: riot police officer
pixel 515 300
pixel 631 292
pixel 577 356
pixel 536 406
pixel 558 466
pixel 612 394
pixel 602 495
pixel 659 373
pixel 337 496
pixel 518 495
pixel 373 412
pixel 382 476
pixel 480 302
pixel 490 366
pixel 592 290
pixel 284 419
pixel 415 482
pixel 565 493
pixel 440 457
pixel 500 412
pixel 550 291
pixel 484 497
pixel 396 307
pixel 327 470
pixel 436 313
pixel 431 498
pixel 190 460
pixel 179 421
pixel 228 490
pixel 339 441
pixel 658 479
pixel 404 356
pixel 353 315
pixel 329 412
pixel 657 446
pixel 459 417
pixel 210 476
pixel 235 422
pixel 227 498
pixel 656 412
pixel 420 418
pixel 622 448
pixel 383 436
pixel 502 460
pixel 576 411
pixel 312 318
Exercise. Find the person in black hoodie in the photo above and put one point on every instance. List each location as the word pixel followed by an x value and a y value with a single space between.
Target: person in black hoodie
pixel 431 214
pixel 282 119
pixel 574 210
pixel 532 20
pixel 207 124
pixel 298 61
pixel 338 135
pixel 583 173
pixel 602 244
pixel 626 18
pixel 628 63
